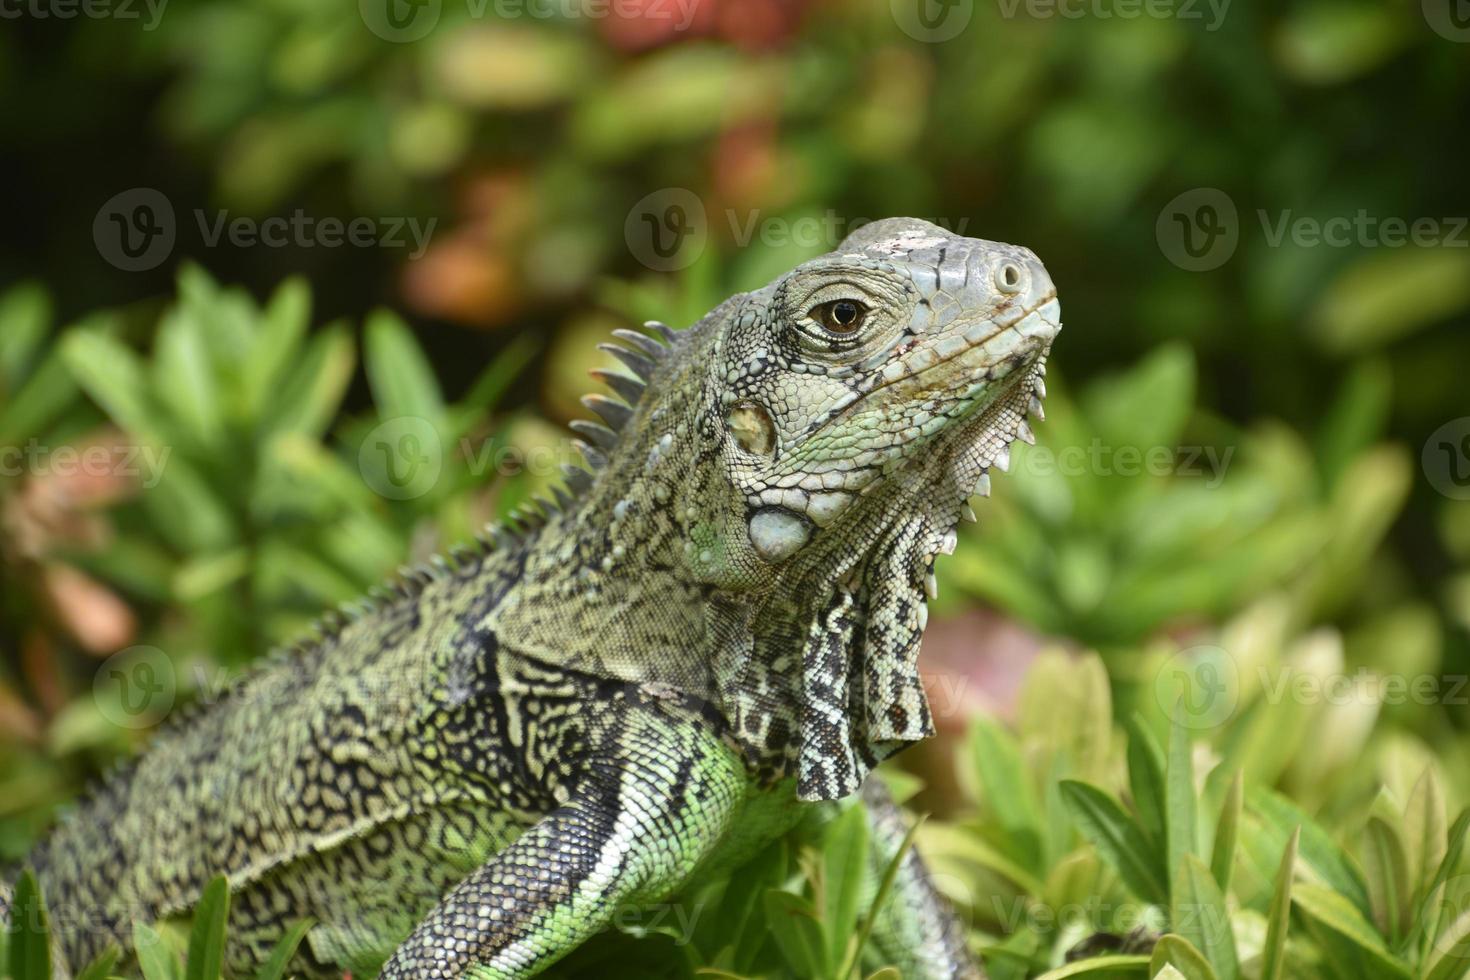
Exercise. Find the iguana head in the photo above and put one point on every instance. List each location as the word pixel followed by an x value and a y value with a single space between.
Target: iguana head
pixel 898 367
pixel 854 405
pixel 798 458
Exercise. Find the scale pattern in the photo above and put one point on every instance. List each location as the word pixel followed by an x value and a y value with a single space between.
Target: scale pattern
pixel 712 629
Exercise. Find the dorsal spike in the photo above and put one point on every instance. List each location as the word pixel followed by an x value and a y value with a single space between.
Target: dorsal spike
pixel 643 342
pixel 631 389
pixel 595 457
pixel 635 362
pixel 664 330
pixel 595 433
pixel 615 413
pixel 578 479
pixel 563 499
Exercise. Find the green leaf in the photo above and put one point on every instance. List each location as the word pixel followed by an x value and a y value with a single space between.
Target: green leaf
pixel 1197 912
pixel 401 378
pixel 794 925
pixel 277 343
pixel 1118 839
pixel 1146 778
pixel 154 957
pixel 308 399
pixel 1317 849
pixel 1006 791
pixel 45 395
pixel 113 375
pixel 1176 951
pixel 1101 967
pixel 184 376
pixel 187 510
pixel 1278 916
pixel 1338 914
pixel 1426 922
pixel 1222 859
pixel 844 861
pixel 1424 830
pixel 1388 877
pixel 1148 405
pixel 1181 827
pixel 741 904
pixel 25 319
pixel 30 931
pixel 101 967
pixel 207 937
pixel 1449 958
pixel 274 968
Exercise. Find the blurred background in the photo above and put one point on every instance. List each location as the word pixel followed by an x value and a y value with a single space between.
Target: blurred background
pixel 241 235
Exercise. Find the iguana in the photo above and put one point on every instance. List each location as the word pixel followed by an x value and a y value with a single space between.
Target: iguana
pixel 713 628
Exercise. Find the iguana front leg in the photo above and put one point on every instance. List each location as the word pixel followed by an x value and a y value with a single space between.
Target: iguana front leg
pixel 916 930
pixel 645 815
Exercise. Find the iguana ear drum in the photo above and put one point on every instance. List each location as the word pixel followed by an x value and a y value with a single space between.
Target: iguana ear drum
pixel 752 428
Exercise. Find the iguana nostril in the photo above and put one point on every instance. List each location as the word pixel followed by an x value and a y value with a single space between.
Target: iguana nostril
pixel 752 428
pixel 1008 277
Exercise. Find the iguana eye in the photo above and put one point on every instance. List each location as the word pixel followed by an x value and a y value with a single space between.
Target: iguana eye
pixel 840 315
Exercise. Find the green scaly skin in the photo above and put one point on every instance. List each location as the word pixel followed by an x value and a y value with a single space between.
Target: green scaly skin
pixel 715 628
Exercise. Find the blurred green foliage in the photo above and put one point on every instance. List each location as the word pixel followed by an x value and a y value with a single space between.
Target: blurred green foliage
pixel 1230 501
